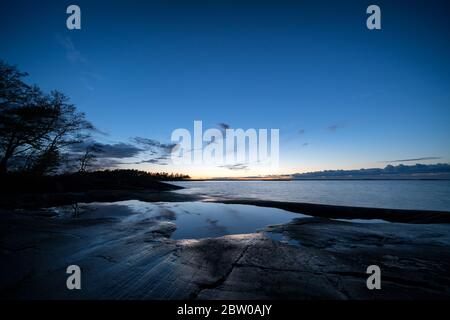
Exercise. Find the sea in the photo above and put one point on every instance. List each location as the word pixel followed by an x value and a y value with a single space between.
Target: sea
pixel 395 194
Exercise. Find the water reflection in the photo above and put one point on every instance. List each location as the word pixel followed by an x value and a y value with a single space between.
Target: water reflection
pixel 281 237
pixel 193 220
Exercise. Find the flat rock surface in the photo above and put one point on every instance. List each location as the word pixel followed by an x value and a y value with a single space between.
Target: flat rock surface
pixel 134 257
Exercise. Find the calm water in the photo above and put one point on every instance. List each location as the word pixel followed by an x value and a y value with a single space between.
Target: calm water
pixel 400 194
pixel 186 220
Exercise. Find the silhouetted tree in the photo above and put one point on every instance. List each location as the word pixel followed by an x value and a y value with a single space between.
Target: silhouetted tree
pixel 89 157
pixel 35 128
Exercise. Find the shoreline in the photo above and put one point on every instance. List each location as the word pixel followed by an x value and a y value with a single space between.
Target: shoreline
pixel 46 200
pixel 349 212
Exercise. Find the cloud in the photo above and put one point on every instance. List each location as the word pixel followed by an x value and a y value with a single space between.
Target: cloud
pixel 390 171
pixel 143 150
pixel 86 84
pixel 92 75
pixel 412 159
pixel 154 147
pixel 237 166
pixel 89 77
pixel 152 144
pixel 223 126
pixel 334 127
pixel 109 155
pixel 215 226
pixel 116 150
pixel 166 214
pixel 105 163
pixel 72 54
pixel 162 161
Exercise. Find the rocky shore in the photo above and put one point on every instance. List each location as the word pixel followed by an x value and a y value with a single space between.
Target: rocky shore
pixel 129 255
pixel 46 200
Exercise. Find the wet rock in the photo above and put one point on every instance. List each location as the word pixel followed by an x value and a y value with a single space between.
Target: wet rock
pixel 133 257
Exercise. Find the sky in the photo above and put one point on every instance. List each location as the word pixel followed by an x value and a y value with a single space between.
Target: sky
pixel 342 96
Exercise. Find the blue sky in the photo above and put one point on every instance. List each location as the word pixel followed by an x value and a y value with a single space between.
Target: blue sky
pixel 342 96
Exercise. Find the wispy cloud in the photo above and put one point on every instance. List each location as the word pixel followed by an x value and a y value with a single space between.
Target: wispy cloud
pixel 161 160
pixel 223 126
pixel 72 54
pixel 412 159
pixel 116 150
pixel 399 171
pixel 91 75
pixel 237 166
pixel 138 151
pixel 86 84
pixel 334 127
pixel 106 163
pixel 152 144
pixel 162 151
pixel 215 226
